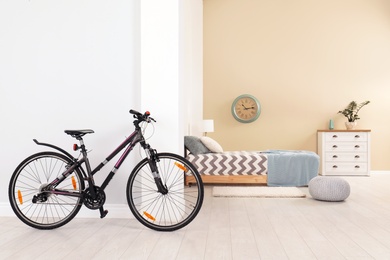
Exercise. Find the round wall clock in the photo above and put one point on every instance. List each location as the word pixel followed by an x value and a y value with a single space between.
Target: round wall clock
pixel 246 108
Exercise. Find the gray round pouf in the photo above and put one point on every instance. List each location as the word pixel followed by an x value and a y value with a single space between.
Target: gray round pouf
pixel 329 188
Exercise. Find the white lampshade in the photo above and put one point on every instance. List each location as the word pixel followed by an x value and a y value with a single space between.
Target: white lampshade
pixel 208 125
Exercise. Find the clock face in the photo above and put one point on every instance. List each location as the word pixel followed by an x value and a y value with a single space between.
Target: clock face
pixel 246 108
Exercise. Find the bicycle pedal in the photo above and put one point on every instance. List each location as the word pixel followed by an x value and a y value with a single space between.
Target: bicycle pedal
pixel 103 213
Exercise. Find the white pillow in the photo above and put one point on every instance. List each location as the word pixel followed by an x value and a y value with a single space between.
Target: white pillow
pixel 211 144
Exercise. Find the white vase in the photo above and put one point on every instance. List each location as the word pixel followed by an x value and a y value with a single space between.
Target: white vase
pixel 350 125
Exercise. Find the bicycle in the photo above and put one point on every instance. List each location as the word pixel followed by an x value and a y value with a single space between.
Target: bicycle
pixel 47 189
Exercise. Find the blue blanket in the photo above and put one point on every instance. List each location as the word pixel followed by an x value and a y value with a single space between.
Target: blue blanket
pixel 291 168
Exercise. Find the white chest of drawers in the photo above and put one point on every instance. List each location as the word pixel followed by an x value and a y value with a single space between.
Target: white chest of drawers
pixel 344 152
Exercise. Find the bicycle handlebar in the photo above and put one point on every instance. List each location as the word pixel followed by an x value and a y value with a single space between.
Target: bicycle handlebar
pixel 141 117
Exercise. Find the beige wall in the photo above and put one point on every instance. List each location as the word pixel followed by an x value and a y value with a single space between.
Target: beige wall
pixel 304 60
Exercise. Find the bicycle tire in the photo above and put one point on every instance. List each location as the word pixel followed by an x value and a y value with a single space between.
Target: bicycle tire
pixel 27 180
pixel 173 210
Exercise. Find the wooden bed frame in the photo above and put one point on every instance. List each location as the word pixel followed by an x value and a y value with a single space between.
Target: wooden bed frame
pixel 229 179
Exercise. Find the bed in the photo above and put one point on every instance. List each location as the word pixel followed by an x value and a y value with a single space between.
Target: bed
pixel 271 167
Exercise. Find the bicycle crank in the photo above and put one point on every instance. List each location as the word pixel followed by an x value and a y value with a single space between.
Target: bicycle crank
pixel 98 201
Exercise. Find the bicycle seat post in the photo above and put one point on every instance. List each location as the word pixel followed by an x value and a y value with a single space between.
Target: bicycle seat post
pixel 82 145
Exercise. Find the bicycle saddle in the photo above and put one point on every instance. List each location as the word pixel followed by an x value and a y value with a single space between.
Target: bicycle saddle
pixel 79 133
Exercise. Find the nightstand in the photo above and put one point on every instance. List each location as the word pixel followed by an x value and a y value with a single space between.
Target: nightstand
pixel 344 152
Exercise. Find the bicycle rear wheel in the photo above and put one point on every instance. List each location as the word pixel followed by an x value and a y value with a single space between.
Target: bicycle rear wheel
pixel 28 180
pixel 171 211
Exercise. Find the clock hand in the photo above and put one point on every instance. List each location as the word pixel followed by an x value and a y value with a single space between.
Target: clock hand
pixel 245 108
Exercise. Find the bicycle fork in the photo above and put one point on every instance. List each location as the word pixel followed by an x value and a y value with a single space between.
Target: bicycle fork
pixel 152 160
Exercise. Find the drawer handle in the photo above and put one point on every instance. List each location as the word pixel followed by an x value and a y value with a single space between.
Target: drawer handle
pixel 334 136
pixel 335 156
pixel 357 136
pixel 334 146
pixel 357 146
pixel 357 156
pixel 357 166
pixel 335 166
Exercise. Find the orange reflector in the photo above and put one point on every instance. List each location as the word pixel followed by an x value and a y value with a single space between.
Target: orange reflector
pixel 74 183
pixel 149 216
pixel 20 197
pixel 181 166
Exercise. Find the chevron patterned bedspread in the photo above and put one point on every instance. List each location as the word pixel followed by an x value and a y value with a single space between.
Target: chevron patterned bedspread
pixel 230 163
pixel 283 168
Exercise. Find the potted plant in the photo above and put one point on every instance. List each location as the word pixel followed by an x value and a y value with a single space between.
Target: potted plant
pixel 351 113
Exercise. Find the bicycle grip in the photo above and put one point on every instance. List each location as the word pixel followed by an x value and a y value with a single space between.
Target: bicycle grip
pixel 135 112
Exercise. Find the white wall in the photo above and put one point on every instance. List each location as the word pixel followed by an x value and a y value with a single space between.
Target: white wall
pixel 60 61
pixel 160 69
pixel 191 64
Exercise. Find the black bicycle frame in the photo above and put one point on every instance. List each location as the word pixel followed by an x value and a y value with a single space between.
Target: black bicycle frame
pixel 130 142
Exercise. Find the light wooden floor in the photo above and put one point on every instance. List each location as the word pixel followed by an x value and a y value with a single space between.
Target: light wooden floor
pixel 358 228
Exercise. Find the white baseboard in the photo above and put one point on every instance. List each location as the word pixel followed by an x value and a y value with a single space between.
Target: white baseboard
pixel 6 210
pixel 380 172
pixel 114 211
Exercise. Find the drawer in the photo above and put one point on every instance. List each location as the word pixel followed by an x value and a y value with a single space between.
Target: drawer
pixel 346 167
pixel 346 137
pixel 346 157
pixel 346 146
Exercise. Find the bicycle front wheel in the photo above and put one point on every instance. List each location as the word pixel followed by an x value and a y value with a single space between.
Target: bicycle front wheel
pixel 170 211
pixel 44 210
